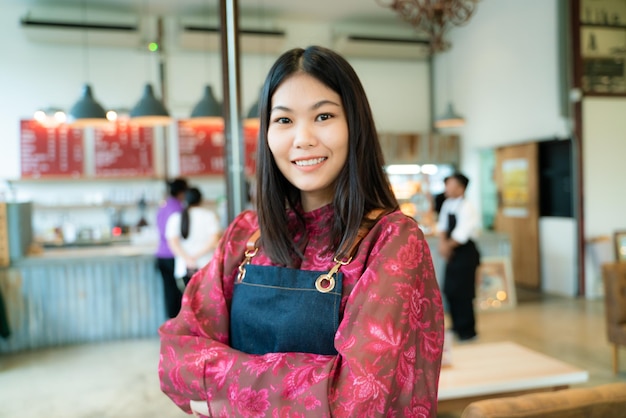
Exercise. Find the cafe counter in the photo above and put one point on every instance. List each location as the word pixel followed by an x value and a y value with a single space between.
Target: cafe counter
pixel 80 295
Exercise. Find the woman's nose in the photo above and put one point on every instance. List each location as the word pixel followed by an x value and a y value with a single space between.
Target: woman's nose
pixel 304 136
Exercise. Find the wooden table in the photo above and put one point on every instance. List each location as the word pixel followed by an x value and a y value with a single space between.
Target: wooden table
pixel 480 371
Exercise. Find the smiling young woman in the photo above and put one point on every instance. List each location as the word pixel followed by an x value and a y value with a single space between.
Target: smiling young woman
pixel 324 301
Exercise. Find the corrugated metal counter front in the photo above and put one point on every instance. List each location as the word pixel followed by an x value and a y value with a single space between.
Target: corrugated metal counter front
pixel 79 295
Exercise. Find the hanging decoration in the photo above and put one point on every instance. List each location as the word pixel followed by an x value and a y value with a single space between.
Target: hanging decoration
pixel 434 17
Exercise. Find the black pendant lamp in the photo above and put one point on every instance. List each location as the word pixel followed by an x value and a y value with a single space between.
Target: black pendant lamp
pixel 87 111
pixel 208 109
pixel 150 111
pixel 450 119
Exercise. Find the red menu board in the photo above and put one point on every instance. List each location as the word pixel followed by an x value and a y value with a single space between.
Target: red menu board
pixel 250 138
pixel 124 150
pixel 201 149
pixel 50 151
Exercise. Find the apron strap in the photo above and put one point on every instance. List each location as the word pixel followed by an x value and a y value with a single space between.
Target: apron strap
pixel 326 282
pixel 254 238
pixel 374 215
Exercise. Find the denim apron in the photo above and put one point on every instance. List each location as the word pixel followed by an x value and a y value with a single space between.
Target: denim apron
pixel 279 309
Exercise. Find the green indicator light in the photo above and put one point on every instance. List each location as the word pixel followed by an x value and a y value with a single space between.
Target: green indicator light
pixel 153 47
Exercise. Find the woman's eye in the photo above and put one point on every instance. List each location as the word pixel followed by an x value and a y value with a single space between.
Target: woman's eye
pixel 282 120
pixel 324 116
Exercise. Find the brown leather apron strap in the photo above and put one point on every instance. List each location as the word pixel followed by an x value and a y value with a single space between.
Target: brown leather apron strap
pixel 372 215
pixel 325 282
pixel 252 241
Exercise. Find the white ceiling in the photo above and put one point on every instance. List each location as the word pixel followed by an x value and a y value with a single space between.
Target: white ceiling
pixel 326 10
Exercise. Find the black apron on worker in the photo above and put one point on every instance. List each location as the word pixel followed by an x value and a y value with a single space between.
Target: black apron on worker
pixel 459 284
pixel 278 309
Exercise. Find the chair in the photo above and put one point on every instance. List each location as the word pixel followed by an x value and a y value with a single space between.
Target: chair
pixel 614 278
pixel 607 400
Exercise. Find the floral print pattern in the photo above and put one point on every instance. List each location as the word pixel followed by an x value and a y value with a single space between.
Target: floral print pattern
pixel 389 340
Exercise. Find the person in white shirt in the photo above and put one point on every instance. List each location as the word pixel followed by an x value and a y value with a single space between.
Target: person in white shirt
pixel 457 228
pixel 192 235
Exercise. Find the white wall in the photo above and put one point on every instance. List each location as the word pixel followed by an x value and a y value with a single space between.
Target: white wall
pixel 503 76
pixel 557 241
pixel 604 150
pixel 505 82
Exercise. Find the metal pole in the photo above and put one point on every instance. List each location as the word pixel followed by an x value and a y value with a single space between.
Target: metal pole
pixel 163 87
pixel 235 181
pixel 431 91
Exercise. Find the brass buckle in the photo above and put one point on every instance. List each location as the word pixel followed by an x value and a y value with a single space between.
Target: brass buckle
pixel 326 282
pixel 242 266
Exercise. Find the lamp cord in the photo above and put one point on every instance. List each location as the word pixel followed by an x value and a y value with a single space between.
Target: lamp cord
pixel 85 42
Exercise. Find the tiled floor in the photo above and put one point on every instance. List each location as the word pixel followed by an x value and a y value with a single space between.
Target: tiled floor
pixel 119 379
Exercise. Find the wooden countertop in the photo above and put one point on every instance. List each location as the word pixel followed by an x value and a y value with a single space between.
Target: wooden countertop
pixel 86 254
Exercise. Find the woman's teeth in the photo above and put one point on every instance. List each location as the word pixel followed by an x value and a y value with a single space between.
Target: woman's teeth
pixel 314 161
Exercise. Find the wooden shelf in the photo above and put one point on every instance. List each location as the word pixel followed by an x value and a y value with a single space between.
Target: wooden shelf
pixel 598 31
pixel 600 94
pixel 602 26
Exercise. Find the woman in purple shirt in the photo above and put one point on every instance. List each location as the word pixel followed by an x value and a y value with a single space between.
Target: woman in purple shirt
pixel 164 255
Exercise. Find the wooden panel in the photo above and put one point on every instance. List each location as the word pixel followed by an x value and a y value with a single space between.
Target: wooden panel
pixel 415 148
pixel 516 176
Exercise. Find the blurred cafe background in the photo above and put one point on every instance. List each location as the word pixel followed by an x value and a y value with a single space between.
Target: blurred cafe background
pixel 102 101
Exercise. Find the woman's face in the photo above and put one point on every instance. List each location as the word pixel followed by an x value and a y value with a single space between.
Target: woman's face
pixel 308 137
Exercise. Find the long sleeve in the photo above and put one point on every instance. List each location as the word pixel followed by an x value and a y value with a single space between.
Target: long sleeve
pixel 389 340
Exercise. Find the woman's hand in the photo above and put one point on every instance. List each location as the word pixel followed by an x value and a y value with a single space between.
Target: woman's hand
pixel 445 250
pixel 190 261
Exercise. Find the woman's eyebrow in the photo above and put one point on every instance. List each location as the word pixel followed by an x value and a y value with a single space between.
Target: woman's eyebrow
pixel 285 108
pixel 315 106
pixel 324 102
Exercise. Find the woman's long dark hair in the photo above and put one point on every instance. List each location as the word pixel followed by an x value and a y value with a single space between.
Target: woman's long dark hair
pixel 362 184
pixel 193 197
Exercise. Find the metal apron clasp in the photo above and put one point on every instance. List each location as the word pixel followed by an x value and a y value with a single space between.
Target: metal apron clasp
pixel 242 266
pixel 326 282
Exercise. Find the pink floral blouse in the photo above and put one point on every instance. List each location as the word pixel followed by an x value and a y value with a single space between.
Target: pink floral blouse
pixel 389 341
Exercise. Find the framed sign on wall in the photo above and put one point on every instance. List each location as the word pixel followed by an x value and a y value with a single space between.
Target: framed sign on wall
pixel 495 288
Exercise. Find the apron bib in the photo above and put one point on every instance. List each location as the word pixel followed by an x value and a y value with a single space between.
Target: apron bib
pixel 278 309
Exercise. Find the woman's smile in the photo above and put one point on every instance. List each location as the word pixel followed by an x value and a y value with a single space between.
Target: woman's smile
pixel 309 162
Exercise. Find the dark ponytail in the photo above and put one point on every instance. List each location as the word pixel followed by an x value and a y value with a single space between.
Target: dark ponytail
pixel 184 223
pixel 193 197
